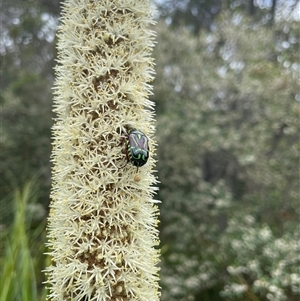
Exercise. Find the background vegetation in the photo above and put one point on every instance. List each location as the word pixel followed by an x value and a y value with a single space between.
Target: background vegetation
pixel 227 103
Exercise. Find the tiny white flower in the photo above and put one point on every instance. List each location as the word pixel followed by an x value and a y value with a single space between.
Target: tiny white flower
pixel 249 219
pixel 265 234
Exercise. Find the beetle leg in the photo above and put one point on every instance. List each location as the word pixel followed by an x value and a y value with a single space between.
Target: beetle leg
pixel 122 141
pixel 123 166
pixel 124 152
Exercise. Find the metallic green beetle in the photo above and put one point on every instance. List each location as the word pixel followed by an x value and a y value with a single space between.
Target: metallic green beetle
pixel 137 151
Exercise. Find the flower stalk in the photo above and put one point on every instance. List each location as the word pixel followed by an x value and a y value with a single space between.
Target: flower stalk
pixel 102 227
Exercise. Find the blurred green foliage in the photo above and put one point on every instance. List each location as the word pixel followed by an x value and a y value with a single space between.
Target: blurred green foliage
pixel 228 136
pixel 27 52
pixel 22 249
pixel 227 104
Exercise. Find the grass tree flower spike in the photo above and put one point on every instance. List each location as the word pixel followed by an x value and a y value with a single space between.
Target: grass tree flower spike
pixel 102 226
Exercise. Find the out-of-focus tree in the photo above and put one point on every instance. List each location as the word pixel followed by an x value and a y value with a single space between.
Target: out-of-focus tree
pixel 193 13
pixel 27 52
pixel 228 109
pixel 197 14
pixel 27 43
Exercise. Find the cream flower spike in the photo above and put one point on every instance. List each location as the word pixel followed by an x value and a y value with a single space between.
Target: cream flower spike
pixel 102 227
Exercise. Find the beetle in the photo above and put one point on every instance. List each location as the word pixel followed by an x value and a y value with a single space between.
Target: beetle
pixel 137 148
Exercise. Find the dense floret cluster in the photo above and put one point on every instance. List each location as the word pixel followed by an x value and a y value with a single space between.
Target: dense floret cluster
pixel 102 224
